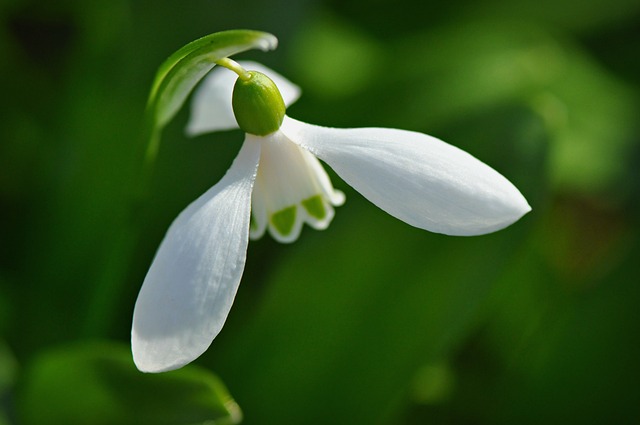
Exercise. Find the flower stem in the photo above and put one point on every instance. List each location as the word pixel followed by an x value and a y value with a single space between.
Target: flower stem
pixel 234 66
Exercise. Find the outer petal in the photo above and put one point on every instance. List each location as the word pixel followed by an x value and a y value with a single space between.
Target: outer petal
pixel 417 178
pixel 189 289
pixel 211 105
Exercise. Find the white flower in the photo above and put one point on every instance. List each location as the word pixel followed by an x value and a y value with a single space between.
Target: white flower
pixel 277 184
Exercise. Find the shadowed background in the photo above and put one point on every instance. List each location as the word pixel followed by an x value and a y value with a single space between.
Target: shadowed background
pixel 370 321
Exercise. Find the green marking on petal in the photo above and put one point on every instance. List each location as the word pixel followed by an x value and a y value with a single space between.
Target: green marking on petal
pixel 315 207
pixel 284 220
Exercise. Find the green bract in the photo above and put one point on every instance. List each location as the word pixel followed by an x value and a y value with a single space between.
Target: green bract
pixel 257 104
pixel 179 74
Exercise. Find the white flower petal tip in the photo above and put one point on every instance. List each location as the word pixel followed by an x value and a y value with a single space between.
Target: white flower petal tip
pixel 211 108
pixel 189 289
pixel 416 178
pixel 291 188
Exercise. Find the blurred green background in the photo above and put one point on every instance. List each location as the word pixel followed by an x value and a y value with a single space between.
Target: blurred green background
pixel 370 321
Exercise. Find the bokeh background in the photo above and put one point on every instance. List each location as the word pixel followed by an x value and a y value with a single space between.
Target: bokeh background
pixel 370 321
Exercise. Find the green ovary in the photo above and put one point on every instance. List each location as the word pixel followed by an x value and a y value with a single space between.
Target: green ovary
pixel 284 220
pixel 315 207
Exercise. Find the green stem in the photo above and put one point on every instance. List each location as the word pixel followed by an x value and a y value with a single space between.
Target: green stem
pixel 234 66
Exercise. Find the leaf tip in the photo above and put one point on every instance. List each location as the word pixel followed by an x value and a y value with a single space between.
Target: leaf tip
pixel 268 42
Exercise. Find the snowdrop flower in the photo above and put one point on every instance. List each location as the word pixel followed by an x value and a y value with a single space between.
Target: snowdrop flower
pixel 275 185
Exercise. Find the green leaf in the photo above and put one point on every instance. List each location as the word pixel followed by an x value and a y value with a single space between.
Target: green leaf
pixel 179 74
pixel 98 383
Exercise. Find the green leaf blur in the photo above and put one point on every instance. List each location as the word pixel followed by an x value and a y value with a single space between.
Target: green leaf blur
pixel 98 384
pixel 370 321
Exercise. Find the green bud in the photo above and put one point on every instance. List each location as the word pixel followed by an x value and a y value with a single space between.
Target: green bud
pixel 258 104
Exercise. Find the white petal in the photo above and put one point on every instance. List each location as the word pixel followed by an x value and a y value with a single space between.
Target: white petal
pixel 417 178
pixel 259 215
pixel 291 189
pixel 211 108
pixel 189 289
pixel 334 196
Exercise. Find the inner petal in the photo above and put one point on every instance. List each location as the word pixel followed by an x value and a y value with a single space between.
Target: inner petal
pixel 291 188
pixel 315 207
pixel 284 221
